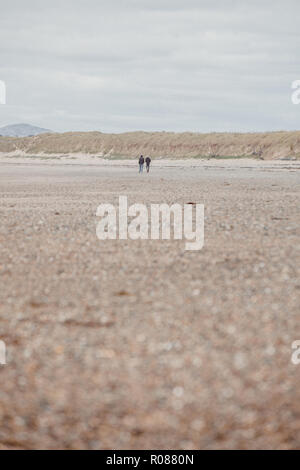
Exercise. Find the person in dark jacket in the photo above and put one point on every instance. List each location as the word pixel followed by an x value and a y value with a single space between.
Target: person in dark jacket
pixel 141 163
pixel 148 161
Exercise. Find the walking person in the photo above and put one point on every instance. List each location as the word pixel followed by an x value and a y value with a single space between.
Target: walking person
pixel 141 163
pixel 148 161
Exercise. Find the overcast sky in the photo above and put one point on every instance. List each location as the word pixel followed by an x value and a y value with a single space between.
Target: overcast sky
pixel 123 65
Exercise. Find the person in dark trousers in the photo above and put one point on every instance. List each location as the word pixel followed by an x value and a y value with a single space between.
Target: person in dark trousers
pixel 141 163
pixel 148 161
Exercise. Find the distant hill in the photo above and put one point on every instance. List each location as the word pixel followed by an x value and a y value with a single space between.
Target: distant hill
pixel 22 130
pixel 269 145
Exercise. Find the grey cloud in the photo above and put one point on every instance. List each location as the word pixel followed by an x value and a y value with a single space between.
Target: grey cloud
pixel 125 65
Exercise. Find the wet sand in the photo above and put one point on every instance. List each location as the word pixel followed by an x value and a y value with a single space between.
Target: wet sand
pixel 141 344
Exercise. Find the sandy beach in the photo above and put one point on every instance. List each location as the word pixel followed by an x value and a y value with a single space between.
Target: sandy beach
pixel 124 344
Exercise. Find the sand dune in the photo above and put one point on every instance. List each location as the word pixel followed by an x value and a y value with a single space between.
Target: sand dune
pixel 273 145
